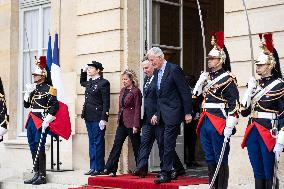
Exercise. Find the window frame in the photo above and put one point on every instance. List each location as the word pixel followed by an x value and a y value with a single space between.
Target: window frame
pixel 40 6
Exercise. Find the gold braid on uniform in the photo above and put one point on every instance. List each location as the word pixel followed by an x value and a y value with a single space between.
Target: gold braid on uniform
pixel 266 110
pixel 278 93
pixel 2 100
pixel 4 121
pixel 35 97
pixel 237 104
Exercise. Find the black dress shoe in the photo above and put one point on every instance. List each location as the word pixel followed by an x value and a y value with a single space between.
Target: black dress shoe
pixel 162 179
pixel 158 175
pixel 40 180
pixel 110 173
pixel 96 173
pixel 140 172
pixel 90 172
pixel 30 181
pixel 175 174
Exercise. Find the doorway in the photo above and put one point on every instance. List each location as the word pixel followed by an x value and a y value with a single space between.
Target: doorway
pixel 174 26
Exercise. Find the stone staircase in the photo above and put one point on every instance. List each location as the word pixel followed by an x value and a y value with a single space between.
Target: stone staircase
pixel 55 180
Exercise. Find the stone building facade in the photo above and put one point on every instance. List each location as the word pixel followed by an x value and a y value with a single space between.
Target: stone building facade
pixel 117 33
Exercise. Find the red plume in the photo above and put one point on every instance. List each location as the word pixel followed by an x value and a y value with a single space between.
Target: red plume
pixel 260 36
pixel 42 62
pixel 220 39
pixel 268 41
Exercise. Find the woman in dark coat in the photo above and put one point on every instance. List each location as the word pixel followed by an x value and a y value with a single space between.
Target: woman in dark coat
pixel 129 115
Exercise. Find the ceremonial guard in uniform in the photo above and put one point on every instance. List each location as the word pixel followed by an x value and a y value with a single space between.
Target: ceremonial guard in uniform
pixel 3 112
pixel 40 97
pixel 95 112
pixel 219 109
pixel 263 101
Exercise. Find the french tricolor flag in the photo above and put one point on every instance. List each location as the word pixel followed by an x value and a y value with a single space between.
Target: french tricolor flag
pixel 62 125
pixel 54 67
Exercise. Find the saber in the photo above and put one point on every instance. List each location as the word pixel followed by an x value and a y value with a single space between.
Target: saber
pixel 219 162
pixel 250 38
pixel 203 36
pixel 274 183
pixel 38 148
pixel 28 44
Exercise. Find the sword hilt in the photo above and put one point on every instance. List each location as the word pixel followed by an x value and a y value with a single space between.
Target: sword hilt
pixel 274 132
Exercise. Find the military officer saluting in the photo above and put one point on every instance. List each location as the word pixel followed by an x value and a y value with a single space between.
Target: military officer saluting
pixel 219 109
pixel 263 101
pixel 95 112
pixel 40 97
pixel 3 112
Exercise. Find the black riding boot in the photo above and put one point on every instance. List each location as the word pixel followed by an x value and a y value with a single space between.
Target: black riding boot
pixel 211 171
pixel 35 169
pixel 223 176
pixel 259 183
pixel 269 184
pixel 42 170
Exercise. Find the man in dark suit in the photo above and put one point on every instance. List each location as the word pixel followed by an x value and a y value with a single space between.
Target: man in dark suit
pixel 174 105
pixel 149 132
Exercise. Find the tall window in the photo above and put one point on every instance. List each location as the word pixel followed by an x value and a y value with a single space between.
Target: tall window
pixel 34 29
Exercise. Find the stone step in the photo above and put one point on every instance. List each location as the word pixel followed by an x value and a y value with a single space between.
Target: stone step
pixel 17 183
pixel 68 177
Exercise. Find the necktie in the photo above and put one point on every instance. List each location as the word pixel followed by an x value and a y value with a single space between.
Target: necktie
pixel 147 83
pixel 160 75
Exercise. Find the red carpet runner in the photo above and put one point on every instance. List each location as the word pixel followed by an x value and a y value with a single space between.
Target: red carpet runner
pixel 132 182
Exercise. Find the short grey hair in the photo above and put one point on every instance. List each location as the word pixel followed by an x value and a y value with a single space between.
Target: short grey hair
pixel 156 51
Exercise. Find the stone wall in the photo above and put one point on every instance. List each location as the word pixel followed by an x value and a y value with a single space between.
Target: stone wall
pixel 264 16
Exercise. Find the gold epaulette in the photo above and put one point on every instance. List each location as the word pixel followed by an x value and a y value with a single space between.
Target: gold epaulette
pixel 52 91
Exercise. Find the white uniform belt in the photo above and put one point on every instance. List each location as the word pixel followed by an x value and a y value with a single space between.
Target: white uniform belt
pixel 263 115
pixel 214 105
pixel 37 110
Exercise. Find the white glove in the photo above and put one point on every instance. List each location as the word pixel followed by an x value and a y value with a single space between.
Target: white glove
pixel 248 93
pixel 26 96
pixel 278 148
pixel 85 68
pixel 204 76
pixel 251 85
pixel 48 119
pixel 102 124
pixel 30 87
pixel 199 84
pixel 44 126
pixel 231 122
pixel 3 131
